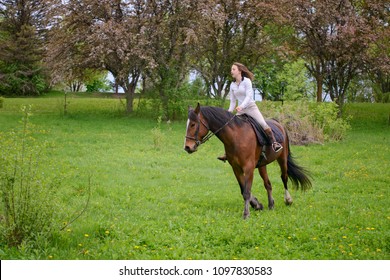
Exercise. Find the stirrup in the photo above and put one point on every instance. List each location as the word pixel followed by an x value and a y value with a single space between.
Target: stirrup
pixel 222 158
pixel 276 147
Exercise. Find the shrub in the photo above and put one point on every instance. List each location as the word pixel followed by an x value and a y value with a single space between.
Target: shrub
pixel 325 116
pixel 307 122
pixel 27 202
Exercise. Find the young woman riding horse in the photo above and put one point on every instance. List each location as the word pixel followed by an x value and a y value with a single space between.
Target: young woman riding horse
pixel 241 90
pixel 244 152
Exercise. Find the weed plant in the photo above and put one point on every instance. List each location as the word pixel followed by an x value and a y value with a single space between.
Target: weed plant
pixel 27 197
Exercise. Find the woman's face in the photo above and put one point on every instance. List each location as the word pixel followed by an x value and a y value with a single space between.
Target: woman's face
pixel 235 72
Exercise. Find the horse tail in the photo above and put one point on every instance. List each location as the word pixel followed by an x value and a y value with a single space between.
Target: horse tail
pixel 299 176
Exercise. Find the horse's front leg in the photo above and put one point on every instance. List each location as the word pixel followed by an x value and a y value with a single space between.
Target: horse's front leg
pixel 245 180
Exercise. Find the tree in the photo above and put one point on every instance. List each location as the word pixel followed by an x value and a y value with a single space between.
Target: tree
pixel 295 81
pixel 22 32
pixel 334 38
pixel 102 34
pixel 377 68
pixel 231 31
pixel 171 33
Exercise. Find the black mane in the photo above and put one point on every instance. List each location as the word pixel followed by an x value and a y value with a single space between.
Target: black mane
pixel 219 116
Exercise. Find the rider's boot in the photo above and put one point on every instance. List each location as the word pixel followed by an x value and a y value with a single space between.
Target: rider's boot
pixel 275 145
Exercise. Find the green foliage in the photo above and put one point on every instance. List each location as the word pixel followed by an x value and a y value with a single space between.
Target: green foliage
pixel 308 122
pixel 21 70
pixel 96 81
pixel 1 102
pixel 27 197
pixel 325 116
pixel 379 95
pixel 295 80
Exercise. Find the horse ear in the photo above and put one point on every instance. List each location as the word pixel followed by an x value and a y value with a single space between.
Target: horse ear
pixel 197 109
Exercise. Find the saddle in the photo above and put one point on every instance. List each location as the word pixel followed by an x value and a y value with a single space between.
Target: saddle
pixel 261 136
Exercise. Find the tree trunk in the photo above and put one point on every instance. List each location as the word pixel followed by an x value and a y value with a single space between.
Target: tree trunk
pixel 319 88
pixel 130 95
pixel 129 100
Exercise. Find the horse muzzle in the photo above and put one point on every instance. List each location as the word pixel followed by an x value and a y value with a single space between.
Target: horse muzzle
pixel 192 149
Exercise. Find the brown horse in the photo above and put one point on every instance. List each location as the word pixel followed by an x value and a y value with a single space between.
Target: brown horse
pixel 245 151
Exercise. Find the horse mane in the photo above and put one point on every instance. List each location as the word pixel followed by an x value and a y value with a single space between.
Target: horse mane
pixel 219 116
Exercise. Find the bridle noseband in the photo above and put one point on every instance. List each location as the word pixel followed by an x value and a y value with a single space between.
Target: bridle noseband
pixel 209 132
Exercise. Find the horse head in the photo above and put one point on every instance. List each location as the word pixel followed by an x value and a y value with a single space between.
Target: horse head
pixel 197 129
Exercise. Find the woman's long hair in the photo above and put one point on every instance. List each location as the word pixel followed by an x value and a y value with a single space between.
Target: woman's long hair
pixel 244 71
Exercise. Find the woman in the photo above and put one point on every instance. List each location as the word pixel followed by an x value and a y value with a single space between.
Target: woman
pixel 241 90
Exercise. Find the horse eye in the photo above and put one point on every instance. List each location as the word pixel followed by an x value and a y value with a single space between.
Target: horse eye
pixel 192 125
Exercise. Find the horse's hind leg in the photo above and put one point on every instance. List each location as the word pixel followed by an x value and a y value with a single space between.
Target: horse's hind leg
pixel 283 167
pixel 267 185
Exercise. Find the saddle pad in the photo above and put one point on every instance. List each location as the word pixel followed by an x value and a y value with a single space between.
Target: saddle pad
pixel 262 137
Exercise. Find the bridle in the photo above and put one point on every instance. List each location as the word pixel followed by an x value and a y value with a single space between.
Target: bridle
pixel 209 133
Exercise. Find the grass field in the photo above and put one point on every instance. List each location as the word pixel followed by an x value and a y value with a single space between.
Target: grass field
pixel 151 200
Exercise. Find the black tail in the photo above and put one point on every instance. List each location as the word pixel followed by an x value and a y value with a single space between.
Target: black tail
pixel 299 176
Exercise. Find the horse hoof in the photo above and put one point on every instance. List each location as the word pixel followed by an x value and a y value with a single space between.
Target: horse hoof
pixel 288 202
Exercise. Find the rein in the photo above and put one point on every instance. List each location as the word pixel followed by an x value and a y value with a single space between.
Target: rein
pixel 209 133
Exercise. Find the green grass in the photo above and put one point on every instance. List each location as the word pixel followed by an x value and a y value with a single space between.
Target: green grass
pixel 157 202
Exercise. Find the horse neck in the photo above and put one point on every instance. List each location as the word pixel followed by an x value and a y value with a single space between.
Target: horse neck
pixel 223 134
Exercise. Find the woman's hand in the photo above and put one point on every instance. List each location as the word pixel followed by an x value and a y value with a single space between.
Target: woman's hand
pixel 238 109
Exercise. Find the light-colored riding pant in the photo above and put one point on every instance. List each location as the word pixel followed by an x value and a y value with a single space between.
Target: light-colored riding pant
pixel 253 111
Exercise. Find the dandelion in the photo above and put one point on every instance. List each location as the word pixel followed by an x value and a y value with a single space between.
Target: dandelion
pixel 289 237
pixel 80 245
pixel 86 235
pixel 378 250
pixel 344 237
pixel 314 238
pixel 107 232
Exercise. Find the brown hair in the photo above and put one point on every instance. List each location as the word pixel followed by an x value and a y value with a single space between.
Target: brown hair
pixel 244 71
